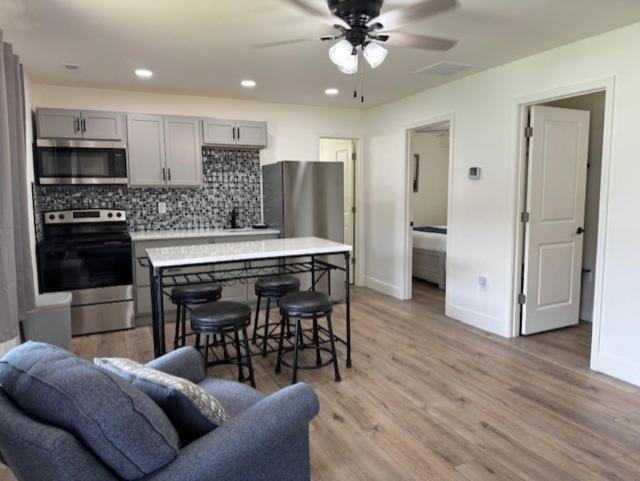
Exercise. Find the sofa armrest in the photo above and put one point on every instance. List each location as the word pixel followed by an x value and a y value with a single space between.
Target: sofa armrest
pixel 185 362
pixel 246 446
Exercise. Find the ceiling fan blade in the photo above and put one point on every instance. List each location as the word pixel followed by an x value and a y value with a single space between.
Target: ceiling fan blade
pixel 323 15
pixel 398 39
pixel 399 17
pixel 280 43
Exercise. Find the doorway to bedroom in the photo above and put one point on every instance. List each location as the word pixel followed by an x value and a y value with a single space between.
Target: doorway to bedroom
pixel 429 155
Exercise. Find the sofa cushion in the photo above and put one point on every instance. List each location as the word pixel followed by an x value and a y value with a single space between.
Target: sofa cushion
pixel 235 397
pixel 193 411
pixel 119 423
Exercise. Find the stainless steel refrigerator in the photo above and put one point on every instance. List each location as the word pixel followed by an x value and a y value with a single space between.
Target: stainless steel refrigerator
pixel 305 199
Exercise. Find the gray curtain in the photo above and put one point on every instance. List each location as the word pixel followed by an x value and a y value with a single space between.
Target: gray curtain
pixel 16 274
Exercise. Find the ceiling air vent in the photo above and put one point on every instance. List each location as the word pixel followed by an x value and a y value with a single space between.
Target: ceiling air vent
pixel 74 67
pixel 444 69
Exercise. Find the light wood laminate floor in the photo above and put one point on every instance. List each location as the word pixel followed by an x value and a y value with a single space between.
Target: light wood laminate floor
pixel 429 398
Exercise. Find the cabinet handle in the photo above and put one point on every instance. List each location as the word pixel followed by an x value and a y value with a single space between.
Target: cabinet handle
pixel 76 124
pixel 238 129
pixel 164 175
pixel 169 172
pixel 84 125
pixel 233 130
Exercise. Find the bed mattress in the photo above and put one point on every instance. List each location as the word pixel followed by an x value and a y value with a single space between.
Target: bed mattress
pixel 430 241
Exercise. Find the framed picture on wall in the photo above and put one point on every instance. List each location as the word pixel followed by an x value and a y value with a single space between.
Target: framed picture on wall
pixel 416 172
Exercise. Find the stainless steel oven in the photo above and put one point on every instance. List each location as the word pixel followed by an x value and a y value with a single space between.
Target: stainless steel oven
pixel 88 253
pixel 60 161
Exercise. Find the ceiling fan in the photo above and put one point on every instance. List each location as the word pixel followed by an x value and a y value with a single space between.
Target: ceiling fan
pixel 363 28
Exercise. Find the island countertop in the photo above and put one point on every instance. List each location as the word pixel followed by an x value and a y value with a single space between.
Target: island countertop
pixel 243 251
pixel 149 235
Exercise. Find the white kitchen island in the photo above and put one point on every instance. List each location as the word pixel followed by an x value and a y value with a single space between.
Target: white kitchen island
pixel 287 255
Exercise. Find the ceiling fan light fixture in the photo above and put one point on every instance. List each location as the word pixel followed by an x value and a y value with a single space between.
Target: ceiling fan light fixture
pixel 375 54
pixel 342 54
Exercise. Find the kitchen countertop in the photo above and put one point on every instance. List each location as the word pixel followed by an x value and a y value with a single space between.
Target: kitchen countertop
pixel 195 233
pixel 241 251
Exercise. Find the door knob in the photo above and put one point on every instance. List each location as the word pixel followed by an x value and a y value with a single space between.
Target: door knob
pixel 580 230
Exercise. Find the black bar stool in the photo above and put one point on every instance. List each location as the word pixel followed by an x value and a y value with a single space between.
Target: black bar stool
pixel 187 296
pixel 220 319
pixel 306 305
pixel 272 287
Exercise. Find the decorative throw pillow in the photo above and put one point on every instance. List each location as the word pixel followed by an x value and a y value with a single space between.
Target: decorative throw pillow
pixel 119 423
pixel 193 411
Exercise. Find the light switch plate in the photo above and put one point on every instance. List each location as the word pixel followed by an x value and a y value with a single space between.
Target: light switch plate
pixel 162 207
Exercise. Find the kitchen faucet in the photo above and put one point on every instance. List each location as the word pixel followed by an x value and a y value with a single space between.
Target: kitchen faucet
pixel 234 218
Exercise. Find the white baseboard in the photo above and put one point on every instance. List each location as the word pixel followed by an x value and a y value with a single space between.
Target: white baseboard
pixel 619 368
pixel 491 324
pixel 384 287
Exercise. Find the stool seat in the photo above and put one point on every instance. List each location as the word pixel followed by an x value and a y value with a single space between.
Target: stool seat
pixel 276 285
pixel 217 315
pixel 306 302
pixel 197 293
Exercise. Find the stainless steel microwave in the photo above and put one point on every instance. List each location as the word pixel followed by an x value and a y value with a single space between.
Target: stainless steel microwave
pixel 64 162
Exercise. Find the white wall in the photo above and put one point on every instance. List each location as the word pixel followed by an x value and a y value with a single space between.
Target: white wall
pixel 483 213
pixel 293 129
pixel 594 103
pixel 429 204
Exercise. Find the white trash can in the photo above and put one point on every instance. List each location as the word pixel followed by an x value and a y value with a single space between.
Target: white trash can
pixel 50 320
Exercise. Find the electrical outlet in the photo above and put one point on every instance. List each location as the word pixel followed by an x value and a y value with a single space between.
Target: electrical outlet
pixel 482 281
pixel 162 207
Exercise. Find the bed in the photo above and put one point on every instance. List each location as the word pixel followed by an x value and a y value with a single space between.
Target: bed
pixel 430 254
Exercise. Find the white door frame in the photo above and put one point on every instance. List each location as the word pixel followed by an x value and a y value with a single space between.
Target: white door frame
pixel 359 195
pixel 607 85
pixel 407 288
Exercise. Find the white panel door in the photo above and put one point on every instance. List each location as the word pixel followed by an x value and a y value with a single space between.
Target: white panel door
pixel 557 177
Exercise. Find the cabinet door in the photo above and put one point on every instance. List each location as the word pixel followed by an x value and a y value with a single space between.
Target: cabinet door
pixel 58 124
pixel 219 132
pixel 183 151
pixel 251 134
pixel 103 125
pixel 146 150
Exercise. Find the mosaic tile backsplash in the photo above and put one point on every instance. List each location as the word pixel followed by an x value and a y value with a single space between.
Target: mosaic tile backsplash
pixel 231 178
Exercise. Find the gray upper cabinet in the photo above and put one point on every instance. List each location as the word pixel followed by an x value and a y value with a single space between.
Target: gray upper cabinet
pixel 103 125
pixel 146 150
pixel 219 131
pixel 58 124
pixel 251 134
pixel 183 151
pixel 80 124
pixel 234 133
pixel 164 151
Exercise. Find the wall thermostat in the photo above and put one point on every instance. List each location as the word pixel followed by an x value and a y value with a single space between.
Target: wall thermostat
pixel 474 173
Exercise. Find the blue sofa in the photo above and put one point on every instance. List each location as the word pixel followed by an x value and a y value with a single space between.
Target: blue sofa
pixel 267 438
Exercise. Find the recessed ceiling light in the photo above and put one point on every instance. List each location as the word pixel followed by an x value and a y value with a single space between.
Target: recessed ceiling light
pixel 248 84
pixel 71 66
pixel 143 73
pixel 332 91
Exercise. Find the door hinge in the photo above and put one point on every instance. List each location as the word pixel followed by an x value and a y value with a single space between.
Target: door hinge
pixel 524 217
pixel 353 261
pixel 528 132
pixel 353 209
pixel 353 156
pixel 522 299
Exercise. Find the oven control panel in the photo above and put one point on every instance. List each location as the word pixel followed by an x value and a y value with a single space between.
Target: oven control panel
pixel 84 216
